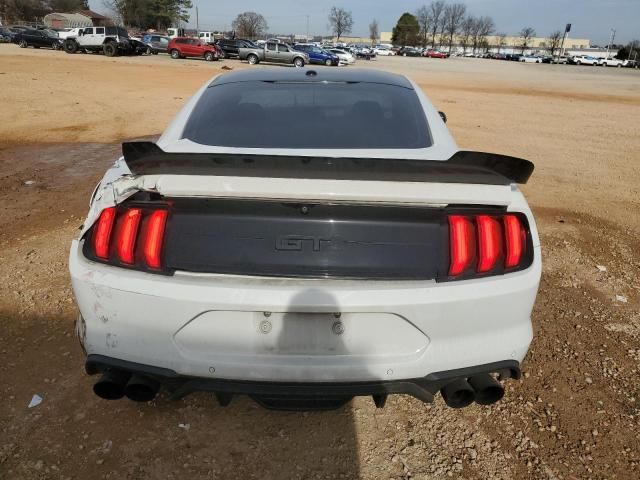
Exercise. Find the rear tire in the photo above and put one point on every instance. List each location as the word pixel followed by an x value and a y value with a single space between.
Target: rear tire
pixel 175 54
pixel 23 44
pixel 328 62
pixel 252 59
pixel 209 57
pixel 298 62
pixel 149 51
pixel 109 49
pixel 70 46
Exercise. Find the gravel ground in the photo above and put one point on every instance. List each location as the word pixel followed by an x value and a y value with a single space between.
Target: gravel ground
pixel 573 415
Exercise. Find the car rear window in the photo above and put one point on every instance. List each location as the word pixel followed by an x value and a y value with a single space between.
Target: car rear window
pixel 309 115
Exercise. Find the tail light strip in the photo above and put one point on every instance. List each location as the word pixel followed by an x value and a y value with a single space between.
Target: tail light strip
pixel 130 237
pixel 484 244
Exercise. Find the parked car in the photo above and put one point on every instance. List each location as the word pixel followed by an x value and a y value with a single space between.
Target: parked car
pixel 530 59
pixel 156 43
pixel 7 33
pixel 289 238
pixel 434 54
pixel 344 57
pixel 584 60
pixel 514 57
pixel 231 46
pixel 367 53
pixel 37 39
pixel 185 47
pixel 384 52
pixel 610 62
pixel 111 41
pixel 275 53
pixel 631 64
pixel 409 52
pixel 317 55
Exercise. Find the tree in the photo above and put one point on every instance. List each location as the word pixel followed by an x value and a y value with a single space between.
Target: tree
pixel 502 41
pixel 483 27
pixel 526 34
pixel 250 25
pixel 340 21
pixel 630 51
pixel 145 14
pixel 423 14
pixel 437 16
pixel 554 41
pixel 406 31
pixel 453 16
pixel 466 29
pixel 374 32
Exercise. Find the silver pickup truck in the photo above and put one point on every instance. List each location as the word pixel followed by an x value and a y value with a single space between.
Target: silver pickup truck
pixel 273 52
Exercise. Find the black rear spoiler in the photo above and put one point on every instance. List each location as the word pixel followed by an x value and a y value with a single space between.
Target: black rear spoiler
pixel 146 158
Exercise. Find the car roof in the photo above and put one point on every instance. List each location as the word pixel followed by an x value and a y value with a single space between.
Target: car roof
pixel 303 75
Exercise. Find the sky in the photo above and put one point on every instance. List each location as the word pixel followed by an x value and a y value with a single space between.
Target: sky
pixel 592 19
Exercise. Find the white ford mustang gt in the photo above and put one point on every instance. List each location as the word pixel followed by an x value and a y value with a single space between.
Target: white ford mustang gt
pixel 303 237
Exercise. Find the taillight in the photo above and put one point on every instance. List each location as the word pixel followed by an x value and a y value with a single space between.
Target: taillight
pixel 516 240
pixel 153 238
pixel 486 244
pixel 489 242
pixel 129 237
pixel 126 236
pixel 462 242
pixel 102 233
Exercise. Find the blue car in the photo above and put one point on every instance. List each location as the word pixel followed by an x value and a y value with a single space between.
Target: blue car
pixel 317 54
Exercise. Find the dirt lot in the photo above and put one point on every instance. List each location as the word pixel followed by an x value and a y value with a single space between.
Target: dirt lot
pixel 574 415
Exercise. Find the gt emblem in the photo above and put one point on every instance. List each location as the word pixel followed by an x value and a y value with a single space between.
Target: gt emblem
pixel 297 242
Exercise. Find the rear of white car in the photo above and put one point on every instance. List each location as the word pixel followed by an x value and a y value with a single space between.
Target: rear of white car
pixel 302 276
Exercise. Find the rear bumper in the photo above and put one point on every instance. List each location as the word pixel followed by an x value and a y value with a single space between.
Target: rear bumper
pixel 300 395
pixel 253 328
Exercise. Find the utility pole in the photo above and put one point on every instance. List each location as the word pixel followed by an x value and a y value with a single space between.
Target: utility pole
pixel 611 39
pixel 567 29
pixel 197 21
pixel 307 28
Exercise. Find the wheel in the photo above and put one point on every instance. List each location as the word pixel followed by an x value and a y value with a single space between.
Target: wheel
pixel 209 57
pixel 328 62
pixel 404 54
pixel 36 46
pixel 156 53
pixel 175 54
pixel 618 65
pixel 23 44
pixel 70 46
pixel 578 62
pixel 252 59
pixel 110 49
pixel 298 62
pixel 149 51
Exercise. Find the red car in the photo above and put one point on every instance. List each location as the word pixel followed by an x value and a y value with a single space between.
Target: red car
pixel 182 47
pixel 435 54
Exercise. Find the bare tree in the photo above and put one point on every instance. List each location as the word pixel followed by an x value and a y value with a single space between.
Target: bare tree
pixel 526 34
pixel 340 21
pixel 423 14
pixel 374 32
pixel 502 41
pixel 250 25
pixel 553 42
pixel 466 30
pixel 437 14
pixel 453 16
pixel 483 27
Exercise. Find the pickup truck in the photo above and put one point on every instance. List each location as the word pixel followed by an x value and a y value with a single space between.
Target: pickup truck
pixel 273 52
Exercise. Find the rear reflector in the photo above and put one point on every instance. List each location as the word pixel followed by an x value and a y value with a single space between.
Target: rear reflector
pixel 489 242
pixel 126 236
pixel 462 244
pixel 499 242
pixel 515 240
pixel 103 233
pixel 154 237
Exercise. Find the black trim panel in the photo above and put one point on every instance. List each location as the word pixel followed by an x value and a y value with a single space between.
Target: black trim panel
pixel 180 386
pixel 146 158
